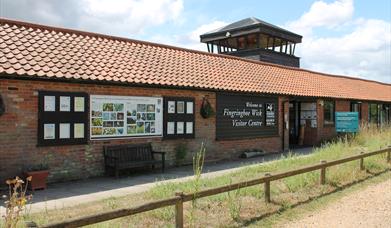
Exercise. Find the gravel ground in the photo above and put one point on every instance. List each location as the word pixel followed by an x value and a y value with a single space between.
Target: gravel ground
pixel 370 207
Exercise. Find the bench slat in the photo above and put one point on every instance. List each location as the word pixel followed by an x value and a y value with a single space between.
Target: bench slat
pixel 130 156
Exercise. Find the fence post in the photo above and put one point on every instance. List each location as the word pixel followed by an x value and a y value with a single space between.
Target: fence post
pixel 267 189
pixel 362 162
pixel 323 173
pixel 389 154
pixel 179 211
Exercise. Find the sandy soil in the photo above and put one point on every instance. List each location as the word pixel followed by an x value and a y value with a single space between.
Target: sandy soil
pixel 370 207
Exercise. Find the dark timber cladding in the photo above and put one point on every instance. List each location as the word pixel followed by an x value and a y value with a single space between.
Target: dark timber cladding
pixel 245 116
pixel 255 39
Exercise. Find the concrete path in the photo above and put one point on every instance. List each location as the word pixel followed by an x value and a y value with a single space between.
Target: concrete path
pixel 61 195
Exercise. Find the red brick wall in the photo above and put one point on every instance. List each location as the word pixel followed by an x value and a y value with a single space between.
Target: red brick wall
pixel 342 106
pixel 18 132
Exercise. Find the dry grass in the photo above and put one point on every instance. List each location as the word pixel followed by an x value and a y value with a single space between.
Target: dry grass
pixel 218 210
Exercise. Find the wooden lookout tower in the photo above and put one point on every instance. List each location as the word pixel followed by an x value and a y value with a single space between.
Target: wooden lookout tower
pixel 255 39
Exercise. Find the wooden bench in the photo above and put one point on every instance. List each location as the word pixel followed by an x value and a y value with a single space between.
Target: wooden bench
pixel 120 157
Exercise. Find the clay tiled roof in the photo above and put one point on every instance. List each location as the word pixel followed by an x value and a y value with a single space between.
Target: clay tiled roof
pixel 29 50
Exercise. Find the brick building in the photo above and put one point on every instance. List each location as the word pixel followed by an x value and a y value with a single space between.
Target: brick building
pixel 65 94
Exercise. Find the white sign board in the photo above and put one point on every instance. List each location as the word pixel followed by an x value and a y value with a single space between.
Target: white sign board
pixel 123 116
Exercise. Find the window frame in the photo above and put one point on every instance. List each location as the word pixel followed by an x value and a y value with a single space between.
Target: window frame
pixel 329 123
pixel 359 107
pixel 370 113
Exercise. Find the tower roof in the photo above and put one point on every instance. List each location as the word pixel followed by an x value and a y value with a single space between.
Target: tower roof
pixel 247 26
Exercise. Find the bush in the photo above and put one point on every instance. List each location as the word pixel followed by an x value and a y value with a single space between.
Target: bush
pixel 180 153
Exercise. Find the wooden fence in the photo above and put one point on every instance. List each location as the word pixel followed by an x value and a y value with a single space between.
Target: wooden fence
pixel 181 197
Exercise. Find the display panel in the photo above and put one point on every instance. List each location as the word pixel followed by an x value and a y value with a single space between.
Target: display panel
pixel 245 116
pixel 125 116
pixel 61 118
pixel 179 117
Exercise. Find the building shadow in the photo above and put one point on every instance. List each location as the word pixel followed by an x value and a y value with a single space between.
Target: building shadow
pixel 310 199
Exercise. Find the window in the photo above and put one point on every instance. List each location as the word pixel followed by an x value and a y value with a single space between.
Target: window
pixel 382 114
pixel 252 41
pixel 308 115
pixel 178 117
pixel 62 118
pixel 328 112
pixel 242 44
pixel 373 113
pixel 356 107
pixel 387 111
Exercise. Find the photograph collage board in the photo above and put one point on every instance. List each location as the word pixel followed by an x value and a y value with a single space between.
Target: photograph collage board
pixel 119 116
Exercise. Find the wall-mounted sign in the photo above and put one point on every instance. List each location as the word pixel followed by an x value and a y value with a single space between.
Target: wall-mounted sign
pixel 49 103
pixel 346 121
pixel 62 117
pixel 245 116
pixel 119 116
pixel 79 104
pixel 178 117
pixel 270 114
pixel 65 103
pixel 49 131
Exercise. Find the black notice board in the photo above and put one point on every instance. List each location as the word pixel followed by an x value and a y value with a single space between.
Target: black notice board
pixel 176 116
pixel 245 116
pixel 54 115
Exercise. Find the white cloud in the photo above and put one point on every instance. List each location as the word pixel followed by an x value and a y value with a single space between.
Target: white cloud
pixel 115 17
pixel 322 14
pixel 363 52
pixel 123 17
pixel 190 40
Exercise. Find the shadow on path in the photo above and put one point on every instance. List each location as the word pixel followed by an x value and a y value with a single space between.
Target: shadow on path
pixel 310 199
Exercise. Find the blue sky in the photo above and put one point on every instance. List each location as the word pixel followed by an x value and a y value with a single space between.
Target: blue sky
pixel 344 37
pixel 199 12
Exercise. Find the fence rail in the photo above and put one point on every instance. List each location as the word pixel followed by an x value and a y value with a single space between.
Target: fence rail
pixel 181 197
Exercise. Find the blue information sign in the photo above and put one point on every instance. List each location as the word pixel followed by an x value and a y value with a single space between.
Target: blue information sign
pixel 346 121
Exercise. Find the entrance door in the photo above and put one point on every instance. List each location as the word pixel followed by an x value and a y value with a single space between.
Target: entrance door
pixel 293 123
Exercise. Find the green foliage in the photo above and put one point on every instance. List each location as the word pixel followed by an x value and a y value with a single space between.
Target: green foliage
pixel 285 193
pixel 198 164
pixel 206 109
pixel 180 151
pixel 234 204
pixel 368 139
